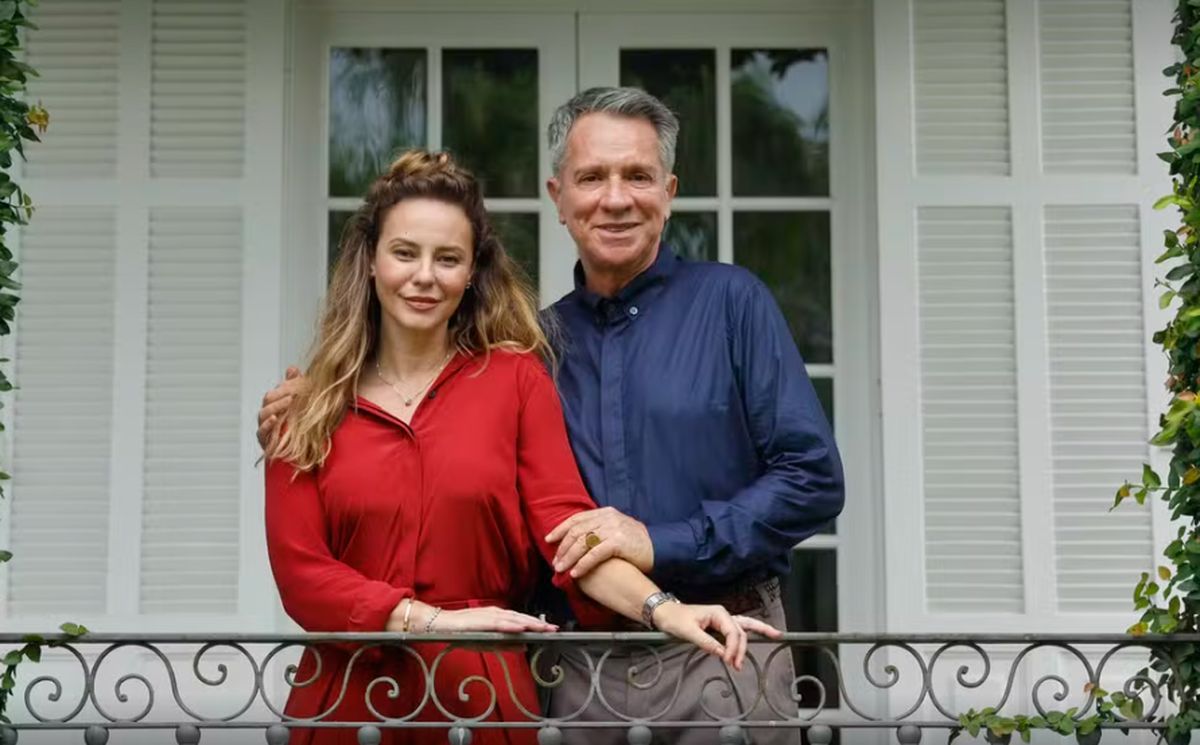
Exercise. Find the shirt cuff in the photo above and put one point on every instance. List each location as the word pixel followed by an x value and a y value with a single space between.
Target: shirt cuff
pixel 374 606
pixel 675 548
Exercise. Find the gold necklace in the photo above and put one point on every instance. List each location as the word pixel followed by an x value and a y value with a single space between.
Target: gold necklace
pixel 407 399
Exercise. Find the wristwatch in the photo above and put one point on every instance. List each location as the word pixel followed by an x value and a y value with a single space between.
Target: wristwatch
pixel 653 602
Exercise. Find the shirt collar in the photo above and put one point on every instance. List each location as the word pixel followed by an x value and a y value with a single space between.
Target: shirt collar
pixel 657 273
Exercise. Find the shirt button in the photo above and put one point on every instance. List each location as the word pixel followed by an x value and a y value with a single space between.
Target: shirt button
pixel 633 310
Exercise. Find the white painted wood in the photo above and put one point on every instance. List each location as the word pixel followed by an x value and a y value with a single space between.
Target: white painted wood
pixel 198 88
pixel 63 413
pixel 76 51
pixel 1066 202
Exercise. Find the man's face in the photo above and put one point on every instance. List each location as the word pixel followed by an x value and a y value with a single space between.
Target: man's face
pixel 613 194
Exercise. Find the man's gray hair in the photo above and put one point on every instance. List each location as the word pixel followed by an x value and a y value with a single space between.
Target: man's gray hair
pixel 634 103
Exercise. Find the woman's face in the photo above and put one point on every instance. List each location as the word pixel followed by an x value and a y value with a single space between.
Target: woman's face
pixel 423 262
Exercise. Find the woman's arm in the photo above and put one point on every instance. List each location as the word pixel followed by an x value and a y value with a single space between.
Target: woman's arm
pixel 552 491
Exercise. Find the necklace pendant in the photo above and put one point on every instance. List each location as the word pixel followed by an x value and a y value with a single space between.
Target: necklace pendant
pixel 408 402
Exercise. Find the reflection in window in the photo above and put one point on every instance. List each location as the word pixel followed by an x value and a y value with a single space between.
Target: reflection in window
pixel 489 119
pixel 790 252
pixel 376 109
pixel 692 235
pixel 685 80
pixel 337 224
pixel 780 102
pixel 824 388
pixel 810 601
pixel 518 233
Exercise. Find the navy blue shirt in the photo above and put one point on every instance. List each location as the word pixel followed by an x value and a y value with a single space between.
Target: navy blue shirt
pixel 689 408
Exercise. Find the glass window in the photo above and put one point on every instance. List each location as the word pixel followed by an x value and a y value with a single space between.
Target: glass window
pixel 685 80
pixel 693 235
pixel 518 232
pixel 811 604
pixel 489 117
pixel 790 252
pixel 377 107
pixel 780 105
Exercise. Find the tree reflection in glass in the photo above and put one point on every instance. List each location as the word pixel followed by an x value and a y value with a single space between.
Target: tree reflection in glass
pixel 376 109
pixel 780 104
pixel 789 251
pixel 518 233
pixel 489 116
pixel 685 80
pixel 692 235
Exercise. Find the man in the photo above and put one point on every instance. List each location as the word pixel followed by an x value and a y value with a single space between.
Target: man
pixel 691 417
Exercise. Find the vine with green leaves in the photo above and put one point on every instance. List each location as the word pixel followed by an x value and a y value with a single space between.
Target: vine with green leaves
pixel 1169 598
pixel 20 122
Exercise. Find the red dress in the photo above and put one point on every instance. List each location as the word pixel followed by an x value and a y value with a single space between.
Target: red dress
pixel 452 509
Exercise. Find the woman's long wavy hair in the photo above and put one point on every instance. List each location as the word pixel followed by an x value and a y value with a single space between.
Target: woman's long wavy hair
pixel 498 311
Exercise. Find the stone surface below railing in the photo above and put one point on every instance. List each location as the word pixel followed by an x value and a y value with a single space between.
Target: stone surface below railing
pixel 848 687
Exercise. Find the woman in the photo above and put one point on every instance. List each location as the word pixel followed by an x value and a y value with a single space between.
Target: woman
pixel 421 466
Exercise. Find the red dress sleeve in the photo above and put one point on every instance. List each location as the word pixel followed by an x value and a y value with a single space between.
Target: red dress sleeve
pixel 318 591
pixel 548 480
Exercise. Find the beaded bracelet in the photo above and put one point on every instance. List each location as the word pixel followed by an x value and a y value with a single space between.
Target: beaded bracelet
pixel 429 623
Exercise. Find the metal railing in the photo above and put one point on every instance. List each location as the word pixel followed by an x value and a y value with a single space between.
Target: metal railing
pixel 898 686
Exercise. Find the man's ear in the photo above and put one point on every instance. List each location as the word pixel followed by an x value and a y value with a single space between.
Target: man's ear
pixel 553 188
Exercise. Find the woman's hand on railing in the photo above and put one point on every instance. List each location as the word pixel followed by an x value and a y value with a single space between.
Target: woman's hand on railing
pixel 693 623
pixel 428 619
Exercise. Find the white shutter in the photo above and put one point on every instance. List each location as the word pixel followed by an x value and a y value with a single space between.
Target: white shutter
pixel 1097 401
pixel 63 413
pixel 190 530
pixel 961 86
pixel 74 49
pixel 1087 86
pixel 198 91
pixel 969 410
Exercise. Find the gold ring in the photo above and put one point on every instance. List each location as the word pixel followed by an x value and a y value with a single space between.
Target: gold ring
pixel 591 540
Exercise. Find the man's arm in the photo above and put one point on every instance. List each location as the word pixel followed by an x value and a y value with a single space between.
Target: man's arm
pixel 801 488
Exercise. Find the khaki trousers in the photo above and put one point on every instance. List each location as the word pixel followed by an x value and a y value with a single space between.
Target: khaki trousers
pixel 704 685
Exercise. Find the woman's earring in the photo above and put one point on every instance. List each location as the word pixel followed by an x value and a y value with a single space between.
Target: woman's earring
pixel 468 285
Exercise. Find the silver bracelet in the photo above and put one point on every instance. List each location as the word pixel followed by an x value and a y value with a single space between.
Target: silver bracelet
pixel 429 623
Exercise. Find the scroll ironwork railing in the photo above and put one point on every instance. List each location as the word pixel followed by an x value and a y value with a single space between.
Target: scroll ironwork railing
pixel 894 686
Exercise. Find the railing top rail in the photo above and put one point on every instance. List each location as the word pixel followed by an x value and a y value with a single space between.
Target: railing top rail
pixel 590 636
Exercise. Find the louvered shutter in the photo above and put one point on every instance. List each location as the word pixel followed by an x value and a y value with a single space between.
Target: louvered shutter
pixel 62 412
pixel 197 114
pixel 1087 86
pixel 969 410
pixel 74 50
pixel 135 496
pixel 961 86
pixel 1098 400
pixel 1014 317
pixel 190 504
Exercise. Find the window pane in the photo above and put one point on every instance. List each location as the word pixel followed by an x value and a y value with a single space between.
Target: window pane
pixel 376 108
pixel 824 388
pixel 810 602
pixel 790 252
pixel 685 80
pixel 780 102
pixel 337 222
pixel 489 121
pixel 692 235
pixel 519 234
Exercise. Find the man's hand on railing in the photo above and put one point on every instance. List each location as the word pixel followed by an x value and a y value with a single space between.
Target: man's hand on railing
pixel 692 623
pixel 276 403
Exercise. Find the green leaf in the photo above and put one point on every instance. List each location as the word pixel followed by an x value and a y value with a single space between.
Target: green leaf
pixel 1165 299
pixel 13 658
pixel 5 556
pixel 33 653
pixel 73 629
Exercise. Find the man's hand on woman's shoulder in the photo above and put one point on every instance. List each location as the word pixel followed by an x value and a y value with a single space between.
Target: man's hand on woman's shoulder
pixel 275 403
